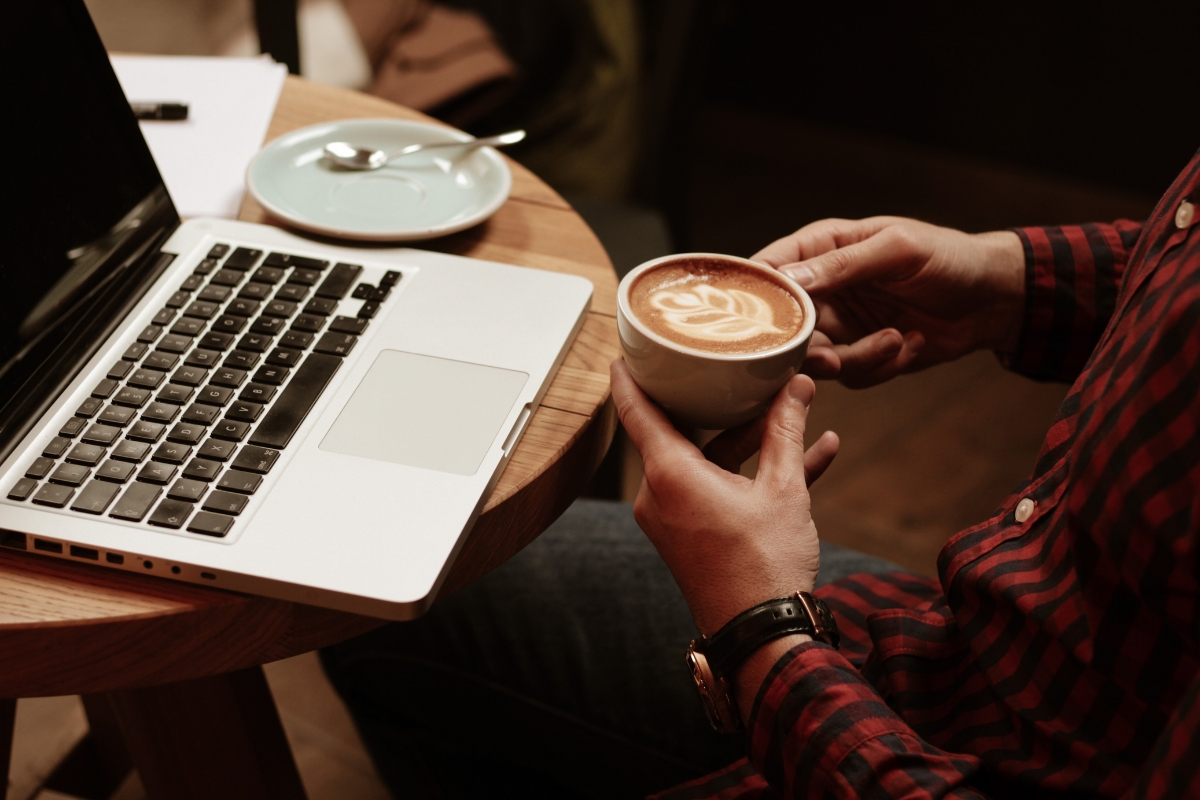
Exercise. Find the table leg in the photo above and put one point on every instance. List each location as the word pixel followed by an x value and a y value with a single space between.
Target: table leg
pixel 8 716
pixel 207 738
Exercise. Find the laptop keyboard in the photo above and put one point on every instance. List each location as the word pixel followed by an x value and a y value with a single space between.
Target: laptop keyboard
pixel 185 425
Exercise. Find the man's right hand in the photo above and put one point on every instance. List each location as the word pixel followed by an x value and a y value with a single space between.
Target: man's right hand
pixel 896 295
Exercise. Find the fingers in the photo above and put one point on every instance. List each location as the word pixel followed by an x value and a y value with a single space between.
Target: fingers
pixel 894 253
pixel 820 237
pixel 730 449
pixel 781 461
pixel 878 357
pixel 649 429
pixel 819 456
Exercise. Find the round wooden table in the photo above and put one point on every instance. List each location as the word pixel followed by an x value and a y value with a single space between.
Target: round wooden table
pixel 180 664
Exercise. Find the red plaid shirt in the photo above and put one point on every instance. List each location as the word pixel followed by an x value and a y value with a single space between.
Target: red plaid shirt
pixel 1057 656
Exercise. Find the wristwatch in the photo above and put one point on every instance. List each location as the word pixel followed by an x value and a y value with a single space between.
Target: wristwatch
pixel 712 659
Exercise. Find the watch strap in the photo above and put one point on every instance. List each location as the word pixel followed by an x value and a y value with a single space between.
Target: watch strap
pixel 765 622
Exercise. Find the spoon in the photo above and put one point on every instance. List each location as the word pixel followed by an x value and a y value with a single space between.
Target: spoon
pixel 347 155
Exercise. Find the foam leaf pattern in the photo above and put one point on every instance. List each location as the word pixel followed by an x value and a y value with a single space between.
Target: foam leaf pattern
pixel 714 314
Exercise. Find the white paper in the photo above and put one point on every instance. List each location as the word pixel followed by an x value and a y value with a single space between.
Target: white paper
pixel 230 102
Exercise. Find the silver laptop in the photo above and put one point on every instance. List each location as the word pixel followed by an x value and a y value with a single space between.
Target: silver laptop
pixel 228 404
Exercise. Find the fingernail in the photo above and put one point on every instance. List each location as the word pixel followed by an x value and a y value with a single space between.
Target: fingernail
pixel 799 391
pixel 915 341
pixel 890 346
pixel 801 275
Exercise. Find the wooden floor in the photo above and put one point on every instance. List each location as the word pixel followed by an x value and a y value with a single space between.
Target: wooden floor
pixel 922 457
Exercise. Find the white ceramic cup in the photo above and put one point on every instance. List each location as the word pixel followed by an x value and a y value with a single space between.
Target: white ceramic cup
pixel 706 390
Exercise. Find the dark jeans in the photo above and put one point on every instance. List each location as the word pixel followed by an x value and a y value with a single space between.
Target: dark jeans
pixel 560 675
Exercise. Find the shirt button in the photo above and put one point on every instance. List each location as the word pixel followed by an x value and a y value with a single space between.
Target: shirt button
pixel 1184 215
pixel 1025 509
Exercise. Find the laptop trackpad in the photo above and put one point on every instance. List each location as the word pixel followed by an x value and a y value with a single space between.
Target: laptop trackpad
pixel 426 412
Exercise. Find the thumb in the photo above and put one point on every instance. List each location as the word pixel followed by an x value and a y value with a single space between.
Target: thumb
pixel 889 255
pixel 781 461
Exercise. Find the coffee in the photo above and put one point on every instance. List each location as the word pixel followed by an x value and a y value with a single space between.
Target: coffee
pixel 716 306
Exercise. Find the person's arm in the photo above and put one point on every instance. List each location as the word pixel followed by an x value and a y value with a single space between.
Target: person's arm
pixel 1072 276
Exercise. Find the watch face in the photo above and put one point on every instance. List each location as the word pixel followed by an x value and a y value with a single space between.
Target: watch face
pixel 714 694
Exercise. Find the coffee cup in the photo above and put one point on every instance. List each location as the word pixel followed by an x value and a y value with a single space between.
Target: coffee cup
pixel 712 338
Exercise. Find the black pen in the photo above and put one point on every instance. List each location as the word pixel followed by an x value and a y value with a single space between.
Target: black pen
pixel 163 111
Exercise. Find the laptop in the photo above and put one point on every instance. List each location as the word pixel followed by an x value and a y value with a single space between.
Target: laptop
pixel 229 404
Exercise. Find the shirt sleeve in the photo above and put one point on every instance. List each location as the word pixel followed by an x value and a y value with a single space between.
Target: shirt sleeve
pixel 1072 277
pixel 819 730
pixel 1172 772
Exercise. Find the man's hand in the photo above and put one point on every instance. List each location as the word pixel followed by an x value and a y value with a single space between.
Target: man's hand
pixel 897 295
pixel 731 542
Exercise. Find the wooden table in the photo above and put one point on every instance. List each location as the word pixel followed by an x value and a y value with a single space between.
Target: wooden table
pixel 180 664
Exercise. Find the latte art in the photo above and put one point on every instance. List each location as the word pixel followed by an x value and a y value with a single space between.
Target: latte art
pixel 716 306
pixel 715 314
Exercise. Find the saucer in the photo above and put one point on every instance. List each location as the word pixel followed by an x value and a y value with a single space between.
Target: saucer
pixel 419 196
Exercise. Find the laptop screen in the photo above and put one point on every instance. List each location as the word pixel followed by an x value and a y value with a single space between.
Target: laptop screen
pixel 85 209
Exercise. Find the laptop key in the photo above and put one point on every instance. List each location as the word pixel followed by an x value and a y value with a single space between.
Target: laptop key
pixel 146 378
pixel 335 344
pixel 228 324
pixel 192 283
pixel 39 468
pixel 70 474
pixel 258 393
pixel 241 411
pixel 225 502
pixel 131 451
pixel 216 450
pixel 160 412
pixel 227 277
pixel 215 294
pixel 362 291
pixel 271 275
pixel 186 433
pixel 95 498
pixel 218 250
pixel 203 469
pixel 215 340
pixel 188 489
pixel 174 343
pixel 390 278
pixel 305 277
pixel 164 317
pixel 322 306
pixel 175 393
pixel 201 309
pixel 242 308
pixel 285 260
pixel 279 308
pixel 297 340
pixel 57 446
pixel 134 398
pixel 147 431
pixel 171 514
pixel 157 472
pixel 115 415
pixel 254 459
pixel 72 427
pixel 206 266
pixel 172 453
pixel 289 410
pixel 190 376
pixel 368 310
pixel 348 325
pixel 115 471
pixel 120 370
pixel 308 322
pixel 214 395
pixel 188 326
pixel 161 361
pixel 282 357
pixel 268 326
pixel 24 487
pixel 203 415
pixel 202 358
pixel 340 279
pixel 210 524
pixel 136 501
pixel 228 376
pixel 53 495
pixel 239 359
pixel 240 482
pixel 88 408
pixel 380 294
pixel 292 291
pixel 179 300
pixel 255 342
pixel 243 258
pixel 149 334
pixel 255 291
pixel 230 430
pixel 134 351
pixel 87 455
pixel 104 389
pixel 99 434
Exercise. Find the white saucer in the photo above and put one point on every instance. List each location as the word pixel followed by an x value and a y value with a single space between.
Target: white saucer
pixel 415 197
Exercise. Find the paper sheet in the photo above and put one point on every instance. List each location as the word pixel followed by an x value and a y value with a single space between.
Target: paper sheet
pixel 231 100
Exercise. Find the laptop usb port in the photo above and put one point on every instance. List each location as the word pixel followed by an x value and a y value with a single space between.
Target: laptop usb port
pixel 13 539
pixel 114 558
pixel 85 552
pixel 49 547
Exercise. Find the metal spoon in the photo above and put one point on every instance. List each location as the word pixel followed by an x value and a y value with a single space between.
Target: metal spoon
pixel 347 155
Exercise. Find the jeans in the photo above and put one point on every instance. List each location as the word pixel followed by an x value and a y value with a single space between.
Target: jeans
pixel 560 675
